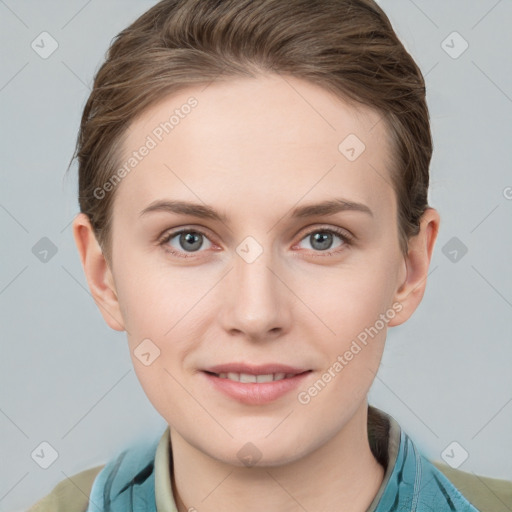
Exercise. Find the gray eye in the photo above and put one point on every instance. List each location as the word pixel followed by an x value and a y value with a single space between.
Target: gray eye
pixel 323 240
pixel 188 241
pixel 191 241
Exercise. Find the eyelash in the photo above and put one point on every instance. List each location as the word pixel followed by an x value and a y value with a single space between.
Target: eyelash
pixel 342 234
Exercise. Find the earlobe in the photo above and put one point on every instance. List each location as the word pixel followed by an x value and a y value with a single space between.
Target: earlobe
pixel 417 261
pixel 97 272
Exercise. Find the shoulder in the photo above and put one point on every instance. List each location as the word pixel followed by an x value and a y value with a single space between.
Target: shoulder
pixel 412 481
pixel 483 492
pixel 69 495
pixel 132 465
pixel 415 483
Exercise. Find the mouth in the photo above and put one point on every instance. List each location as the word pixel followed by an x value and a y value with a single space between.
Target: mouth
pixel 255 385
pixel 251 373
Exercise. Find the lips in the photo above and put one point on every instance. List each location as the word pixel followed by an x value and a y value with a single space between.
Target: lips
pixel 255 384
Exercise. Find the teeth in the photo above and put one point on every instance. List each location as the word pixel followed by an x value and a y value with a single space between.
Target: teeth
pixel 265 378
pixel 247 377
pixel 243 377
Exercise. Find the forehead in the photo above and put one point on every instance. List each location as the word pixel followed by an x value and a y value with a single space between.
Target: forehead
pixel 270 138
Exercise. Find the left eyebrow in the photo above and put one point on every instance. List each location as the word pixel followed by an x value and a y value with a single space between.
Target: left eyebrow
pixel 330 208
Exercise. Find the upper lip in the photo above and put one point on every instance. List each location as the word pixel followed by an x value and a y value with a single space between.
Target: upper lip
pixel 261 369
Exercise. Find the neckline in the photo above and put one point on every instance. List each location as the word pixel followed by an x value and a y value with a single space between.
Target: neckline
pixel 384 436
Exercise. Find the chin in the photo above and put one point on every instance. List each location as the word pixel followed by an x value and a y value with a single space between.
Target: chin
pixel 259 452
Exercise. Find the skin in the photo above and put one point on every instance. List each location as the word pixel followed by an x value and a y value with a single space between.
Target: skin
pixel 254 149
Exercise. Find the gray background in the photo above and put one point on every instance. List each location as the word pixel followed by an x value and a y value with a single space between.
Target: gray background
pixel 67 379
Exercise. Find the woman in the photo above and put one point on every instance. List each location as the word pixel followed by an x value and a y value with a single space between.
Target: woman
pixel 288 144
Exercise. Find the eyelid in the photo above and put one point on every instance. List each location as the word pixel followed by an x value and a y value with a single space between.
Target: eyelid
pixel 342 232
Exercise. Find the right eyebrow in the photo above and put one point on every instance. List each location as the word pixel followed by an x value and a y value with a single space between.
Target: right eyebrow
pixel 185 208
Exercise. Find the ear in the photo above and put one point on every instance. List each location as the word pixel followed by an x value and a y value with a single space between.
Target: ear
pixel 417 261
pixel 97 272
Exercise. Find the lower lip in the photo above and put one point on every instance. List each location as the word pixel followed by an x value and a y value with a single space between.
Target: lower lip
pixel 256 393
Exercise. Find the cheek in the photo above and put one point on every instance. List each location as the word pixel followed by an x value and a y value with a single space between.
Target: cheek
pixel 353 353
pixel 153 297
pixel 356 305
pixel 163 314
pixel 351 299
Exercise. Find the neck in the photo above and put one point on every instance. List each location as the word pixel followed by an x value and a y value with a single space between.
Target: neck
pixel 341 474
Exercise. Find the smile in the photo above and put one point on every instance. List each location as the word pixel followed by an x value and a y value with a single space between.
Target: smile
pixel 254 389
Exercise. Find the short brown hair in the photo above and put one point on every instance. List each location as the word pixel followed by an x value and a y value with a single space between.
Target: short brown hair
pixel 348 47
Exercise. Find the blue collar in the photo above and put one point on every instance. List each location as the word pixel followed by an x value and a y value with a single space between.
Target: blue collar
pixel 411 483
pixel 416 485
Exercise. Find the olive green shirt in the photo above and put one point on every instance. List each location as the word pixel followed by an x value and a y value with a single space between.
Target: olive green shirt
pixel 72 494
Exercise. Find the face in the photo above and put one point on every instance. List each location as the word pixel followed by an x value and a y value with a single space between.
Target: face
pixel 258 230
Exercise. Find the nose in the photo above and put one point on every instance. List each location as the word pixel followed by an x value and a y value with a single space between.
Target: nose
pixel 255 301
